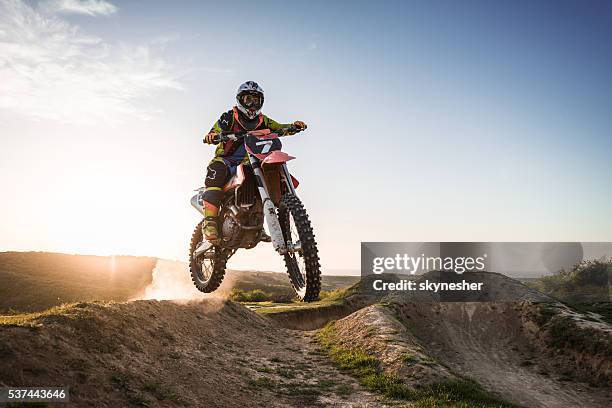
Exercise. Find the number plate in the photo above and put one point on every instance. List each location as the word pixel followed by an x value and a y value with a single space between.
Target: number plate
pixel 263 146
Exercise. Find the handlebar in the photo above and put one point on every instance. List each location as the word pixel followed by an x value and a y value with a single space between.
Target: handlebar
pixel 225 136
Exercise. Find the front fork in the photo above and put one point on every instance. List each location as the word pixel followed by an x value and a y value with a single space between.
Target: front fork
pixel 269 209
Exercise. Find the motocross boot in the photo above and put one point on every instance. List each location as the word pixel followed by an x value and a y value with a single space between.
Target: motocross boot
pixel 210 233
pixel 209 228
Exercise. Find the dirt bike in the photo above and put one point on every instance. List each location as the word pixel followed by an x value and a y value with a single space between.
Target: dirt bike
pixel 262 189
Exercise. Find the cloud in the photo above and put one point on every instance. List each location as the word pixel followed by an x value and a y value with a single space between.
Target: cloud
pixel 50 69
pixel 88 7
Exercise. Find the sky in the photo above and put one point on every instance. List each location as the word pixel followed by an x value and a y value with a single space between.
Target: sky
pixel 428 120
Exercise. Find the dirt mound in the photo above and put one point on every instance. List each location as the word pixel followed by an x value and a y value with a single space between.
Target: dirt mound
pixel 376 330
pixel 527 349
pixel 211 353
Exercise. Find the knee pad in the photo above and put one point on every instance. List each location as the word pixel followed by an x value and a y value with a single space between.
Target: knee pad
pixel 216 174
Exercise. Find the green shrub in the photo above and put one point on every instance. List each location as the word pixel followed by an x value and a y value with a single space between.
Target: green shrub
pixel 587 281
pixel 255 295
pixel 594 273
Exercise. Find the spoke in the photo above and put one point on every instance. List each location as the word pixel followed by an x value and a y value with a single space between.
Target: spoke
pixel 206 265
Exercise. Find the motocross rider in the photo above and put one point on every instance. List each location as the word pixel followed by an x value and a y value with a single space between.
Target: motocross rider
pixel 246 115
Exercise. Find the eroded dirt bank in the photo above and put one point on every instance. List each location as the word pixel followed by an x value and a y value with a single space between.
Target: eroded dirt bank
pixel 489 343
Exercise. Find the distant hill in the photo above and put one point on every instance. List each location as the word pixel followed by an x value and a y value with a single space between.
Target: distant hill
pixel 34 281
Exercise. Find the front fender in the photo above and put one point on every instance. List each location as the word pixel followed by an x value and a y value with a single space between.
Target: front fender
pixel 276 157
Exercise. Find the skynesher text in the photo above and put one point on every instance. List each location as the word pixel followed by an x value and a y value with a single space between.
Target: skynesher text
pixel 408 285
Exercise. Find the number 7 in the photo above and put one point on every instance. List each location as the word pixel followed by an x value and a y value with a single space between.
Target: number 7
pixel 267 143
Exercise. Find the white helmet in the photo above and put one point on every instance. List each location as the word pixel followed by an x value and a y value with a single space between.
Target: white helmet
pixel 250 99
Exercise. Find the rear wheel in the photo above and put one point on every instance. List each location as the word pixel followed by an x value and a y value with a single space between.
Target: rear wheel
pixel 207 269
pixel 302 257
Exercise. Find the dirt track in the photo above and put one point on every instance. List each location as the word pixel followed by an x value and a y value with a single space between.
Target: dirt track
pixel 216 353
pixel 211 353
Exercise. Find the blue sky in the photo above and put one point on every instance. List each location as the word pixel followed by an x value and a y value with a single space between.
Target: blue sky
pixel 428 121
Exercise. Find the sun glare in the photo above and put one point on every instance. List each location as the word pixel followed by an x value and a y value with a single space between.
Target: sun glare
pixel 97 211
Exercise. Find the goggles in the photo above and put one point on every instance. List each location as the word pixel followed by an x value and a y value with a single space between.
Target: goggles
pixel 251 100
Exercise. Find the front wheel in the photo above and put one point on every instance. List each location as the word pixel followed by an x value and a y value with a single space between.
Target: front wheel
pixel 207 269
pixel 302 257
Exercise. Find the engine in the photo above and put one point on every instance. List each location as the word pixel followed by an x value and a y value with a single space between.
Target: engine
pixel 241 228
pixel 229 228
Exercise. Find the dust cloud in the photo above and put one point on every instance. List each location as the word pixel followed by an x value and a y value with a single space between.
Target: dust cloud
pixel 171 281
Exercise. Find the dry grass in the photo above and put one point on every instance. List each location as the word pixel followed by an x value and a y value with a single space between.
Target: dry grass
pixel 70 311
